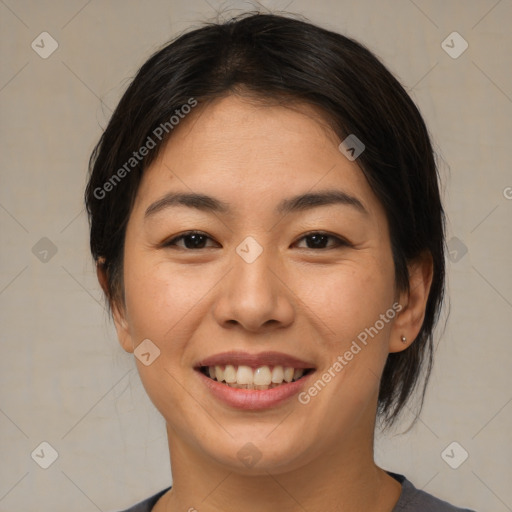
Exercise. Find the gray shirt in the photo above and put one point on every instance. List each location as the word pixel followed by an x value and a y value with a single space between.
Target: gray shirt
pixel 411 500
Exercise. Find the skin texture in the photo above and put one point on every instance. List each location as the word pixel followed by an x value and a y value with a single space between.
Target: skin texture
pixel 307 302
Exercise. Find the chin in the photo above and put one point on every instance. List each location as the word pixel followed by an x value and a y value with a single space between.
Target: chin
pixel 256 452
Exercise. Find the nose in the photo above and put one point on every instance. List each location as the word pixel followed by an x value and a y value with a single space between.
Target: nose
pixel 255 296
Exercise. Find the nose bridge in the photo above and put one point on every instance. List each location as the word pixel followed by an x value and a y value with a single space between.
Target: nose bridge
pixel 253 269
pixel 253 278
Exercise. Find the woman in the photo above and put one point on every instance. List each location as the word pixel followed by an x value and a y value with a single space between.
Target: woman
pixel 267 227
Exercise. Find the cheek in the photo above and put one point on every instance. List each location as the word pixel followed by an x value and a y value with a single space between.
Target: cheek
pixel 161 304
pixel 350 298
pixel 161 299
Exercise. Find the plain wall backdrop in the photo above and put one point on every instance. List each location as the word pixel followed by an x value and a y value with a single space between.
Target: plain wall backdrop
pixel 64 378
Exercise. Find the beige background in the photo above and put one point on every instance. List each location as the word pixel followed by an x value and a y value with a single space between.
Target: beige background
pixel 64 378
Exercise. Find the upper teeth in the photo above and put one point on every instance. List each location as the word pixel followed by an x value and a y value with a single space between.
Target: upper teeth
pixel 261 376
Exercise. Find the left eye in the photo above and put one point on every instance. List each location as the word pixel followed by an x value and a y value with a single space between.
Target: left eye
pixel 197 240
pixel 318 240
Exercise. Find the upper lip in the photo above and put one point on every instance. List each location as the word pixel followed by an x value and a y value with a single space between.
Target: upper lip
pixel 237 358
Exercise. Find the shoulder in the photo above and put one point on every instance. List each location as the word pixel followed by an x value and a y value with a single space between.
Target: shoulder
pixel 411 500
pixel 415 500
pixel 147 504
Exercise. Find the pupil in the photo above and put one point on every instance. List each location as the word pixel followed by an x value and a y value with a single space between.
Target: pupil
pixel 197 240
pixel 318 240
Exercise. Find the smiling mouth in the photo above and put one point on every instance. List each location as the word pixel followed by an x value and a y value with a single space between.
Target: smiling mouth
pixel 260 378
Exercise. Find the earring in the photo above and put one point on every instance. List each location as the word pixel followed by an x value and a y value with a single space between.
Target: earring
pixel 404 339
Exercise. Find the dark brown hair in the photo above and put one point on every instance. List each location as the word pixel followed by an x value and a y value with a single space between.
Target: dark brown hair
pixel 278 58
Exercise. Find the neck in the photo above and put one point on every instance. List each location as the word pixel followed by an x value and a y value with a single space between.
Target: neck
pixel 344 479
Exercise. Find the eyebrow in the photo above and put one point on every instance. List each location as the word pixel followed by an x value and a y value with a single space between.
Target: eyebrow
pixel 297 203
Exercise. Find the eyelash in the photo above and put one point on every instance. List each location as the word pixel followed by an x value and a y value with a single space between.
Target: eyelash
pixel 339 242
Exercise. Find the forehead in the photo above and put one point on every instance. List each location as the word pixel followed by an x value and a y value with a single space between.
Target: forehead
pixel 250 153
pixel 243 125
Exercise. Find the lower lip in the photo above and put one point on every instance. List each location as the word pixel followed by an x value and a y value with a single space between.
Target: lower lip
pixel 253 399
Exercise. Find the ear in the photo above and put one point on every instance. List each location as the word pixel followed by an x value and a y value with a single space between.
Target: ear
pixel 118 311
pixel 410 318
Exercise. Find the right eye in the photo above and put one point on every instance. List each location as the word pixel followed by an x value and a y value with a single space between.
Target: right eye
pixel 191 240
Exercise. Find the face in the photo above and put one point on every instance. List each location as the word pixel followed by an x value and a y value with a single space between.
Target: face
pixel 267 281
